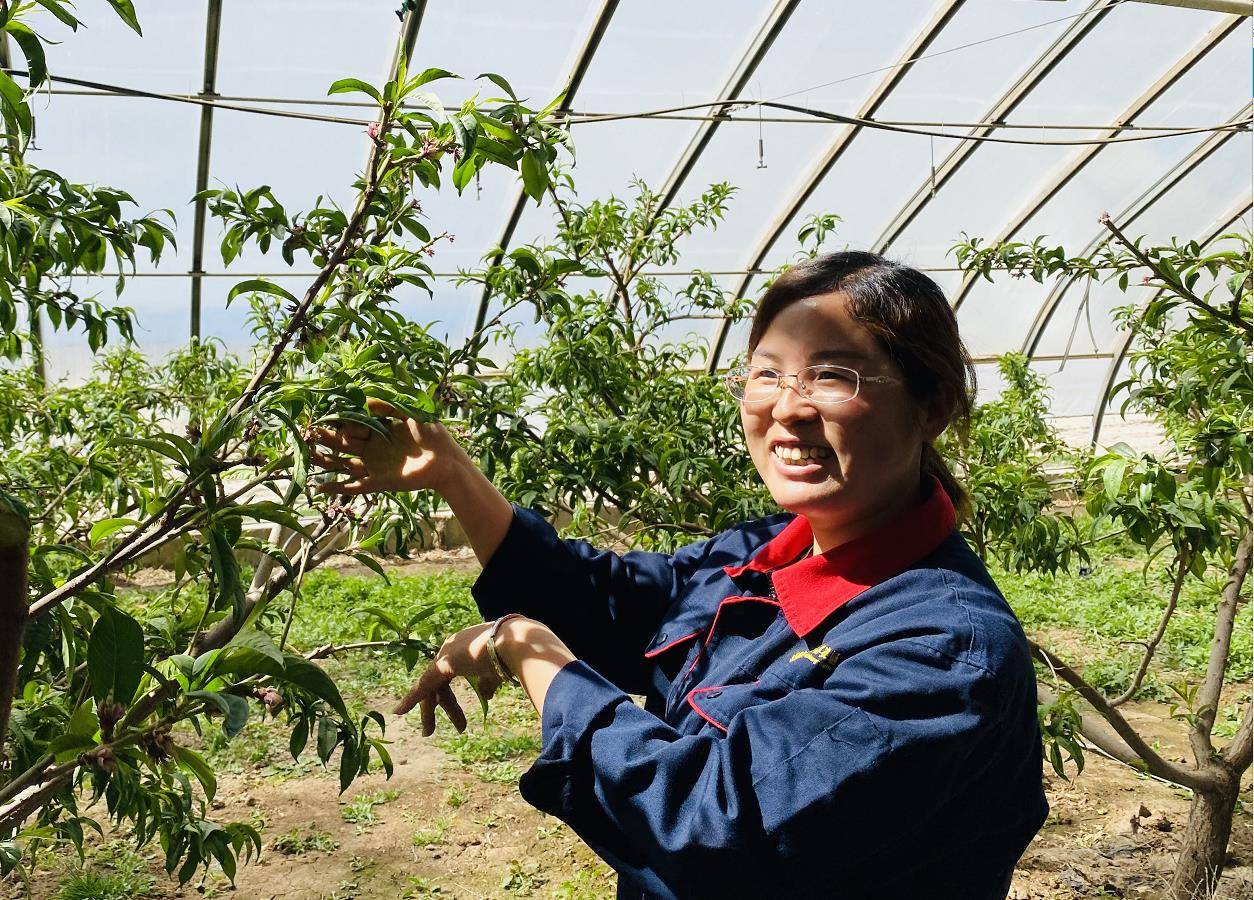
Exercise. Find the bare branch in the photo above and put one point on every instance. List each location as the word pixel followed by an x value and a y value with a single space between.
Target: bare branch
pixel 1182 569
pixel 1156 765
pixel 1217 665
pixel 1240 752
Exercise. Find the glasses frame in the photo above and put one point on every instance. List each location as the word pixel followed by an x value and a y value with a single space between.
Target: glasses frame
pixel 798 386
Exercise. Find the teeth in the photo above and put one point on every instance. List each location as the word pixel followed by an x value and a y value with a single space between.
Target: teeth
pixel 801 454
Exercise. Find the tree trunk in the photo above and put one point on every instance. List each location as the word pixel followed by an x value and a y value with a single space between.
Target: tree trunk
pixel 14 540
pixel 1205 843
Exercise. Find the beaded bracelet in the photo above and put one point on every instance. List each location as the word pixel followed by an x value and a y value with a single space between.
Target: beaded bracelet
pixel 504 673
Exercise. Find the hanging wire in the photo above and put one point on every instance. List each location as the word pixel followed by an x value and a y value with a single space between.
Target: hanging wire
pixel 812 114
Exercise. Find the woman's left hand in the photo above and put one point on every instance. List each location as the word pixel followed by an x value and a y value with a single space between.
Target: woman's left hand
pixel 462 654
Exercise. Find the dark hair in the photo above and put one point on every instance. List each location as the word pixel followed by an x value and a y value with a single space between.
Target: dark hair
pixel 908 315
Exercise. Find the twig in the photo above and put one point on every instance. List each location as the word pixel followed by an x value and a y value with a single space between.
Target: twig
pixel 1174 282
pixel 1182 569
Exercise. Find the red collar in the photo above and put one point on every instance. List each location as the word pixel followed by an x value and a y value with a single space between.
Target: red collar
pixel 812 589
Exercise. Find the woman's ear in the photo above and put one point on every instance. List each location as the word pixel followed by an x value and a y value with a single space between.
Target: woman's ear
pixel 935 414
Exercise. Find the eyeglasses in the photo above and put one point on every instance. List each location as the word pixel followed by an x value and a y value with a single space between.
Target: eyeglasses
pixel 820 384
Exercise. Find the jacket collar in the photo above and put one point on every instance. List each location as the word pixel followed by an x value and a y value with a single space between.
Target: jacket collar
pixel 811 589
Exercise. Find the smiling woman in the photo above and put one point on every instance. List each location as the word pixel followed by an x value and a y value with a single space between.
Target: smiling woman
pixel 808 676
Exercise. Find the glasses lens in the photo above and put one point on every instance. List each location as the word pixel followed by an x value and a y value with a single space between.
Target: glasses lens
pixel 759 383
pixel 829 384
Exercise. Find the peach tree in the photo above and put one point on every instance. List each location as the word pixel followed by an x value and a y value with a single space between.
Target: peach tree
pixel 205 460
pixel 1189 370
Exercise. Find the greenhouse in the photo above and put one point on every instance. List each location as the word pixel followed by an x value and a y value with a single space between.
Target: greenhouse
pixel 639 395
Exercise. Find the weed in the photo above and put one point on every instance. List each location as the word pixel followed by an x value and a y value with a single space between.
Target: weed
pixel 490 755
pixel 417 887
pixel 115 872
pixel 294 843
pixel 521 881
pixel 590 883
pixel 456 796
pixel 360 810
pixel 425 837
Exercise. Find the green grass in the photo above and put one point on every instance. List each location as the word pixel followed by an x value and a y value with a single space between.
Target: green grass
pixel 113 872
pixel 1114 605
pixel 360 810
pixel 297 842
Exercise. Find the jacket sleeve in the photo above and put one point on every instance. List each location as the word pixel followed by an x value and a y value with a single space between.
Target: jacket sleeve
pixel 605 607
pixel 805 786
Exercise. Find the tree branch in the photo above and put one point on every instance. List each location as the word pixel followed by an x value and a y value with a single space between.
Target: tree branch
pixel 1182 569
pixel 1156 765
pixel 1174 282
pixel 1217 665
pixel 1240 752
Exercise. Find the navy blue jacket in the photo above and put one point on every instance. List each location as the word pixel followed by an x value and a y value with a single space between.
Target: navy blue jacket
pixel 857 724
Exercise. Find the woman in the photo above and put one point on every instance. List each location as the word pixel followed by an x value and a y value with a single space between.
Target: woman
pixel 838 701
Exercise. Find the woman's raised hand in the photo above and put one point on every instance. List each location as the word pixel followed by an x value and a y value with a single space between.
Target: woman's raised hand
pixel 466 654
pixel 419 455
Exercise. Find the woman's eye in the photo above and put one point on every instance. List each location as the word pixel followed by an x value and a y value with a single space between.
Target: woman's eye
pixel 763 375
pixel 832 376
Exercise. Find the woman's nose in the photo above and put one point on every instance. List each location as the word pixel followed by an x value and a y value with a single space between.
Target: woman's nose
pixel 790 405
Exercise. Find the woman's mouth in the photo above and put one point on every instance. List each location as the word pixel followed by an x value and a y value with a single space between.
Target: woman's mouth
pixel 800 459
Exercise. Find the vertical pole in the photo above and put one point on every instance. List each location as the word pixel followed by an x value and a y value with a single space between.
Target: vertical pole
pixel 213 27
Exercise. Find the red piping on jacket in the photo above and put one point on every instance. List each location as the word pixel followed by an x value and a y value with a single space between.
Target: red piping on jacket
pixel 687 637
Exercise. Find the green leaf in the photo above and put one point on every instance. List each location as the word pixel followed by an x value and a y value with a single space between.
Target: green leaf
pixel 258 286
pixel 115 656
pixel 65 747
pixel 58 9
pixel 259 642
pixel 535 176
pixel 328 737
pixel 126 12
pixel 372 564
pixel 300 737
pixel 500 82
pixel 351 85
pixel 32 49
pixel 17 112
pixel 196 764
pixel 1112 477
pixel 236 716
pixel 106 527
pixel 305 674
pixel 428 75
pixel 84 721
pixel 350 764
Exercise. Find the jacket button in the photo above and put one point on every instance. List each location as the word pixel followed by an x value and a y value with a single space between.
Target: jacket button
pixel 661 639
pixel 710 695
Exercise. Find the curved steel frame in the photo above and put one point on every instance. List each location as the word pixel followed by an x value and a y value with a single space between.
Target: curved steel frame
pixel 1079 28
pixel 770 29
pixel 1089 153
pixel 1224 222
pixel 1138 207
pixel 941 17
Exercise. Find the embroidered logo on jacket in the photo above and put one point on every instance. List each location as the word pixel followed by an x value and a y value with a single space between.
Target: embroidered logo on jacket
pixel 822 656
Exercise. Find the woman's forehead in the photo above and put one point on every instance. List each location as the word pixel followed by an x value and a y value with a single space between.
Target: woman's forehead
pixel 818 329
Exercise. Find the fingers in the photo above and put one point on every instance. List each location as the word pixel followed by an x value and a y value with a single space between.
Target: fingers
pixel 448 703
pixel 384 409
pixel 428 715
pixel 349 465
pixel 347 488
pixel 350 438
